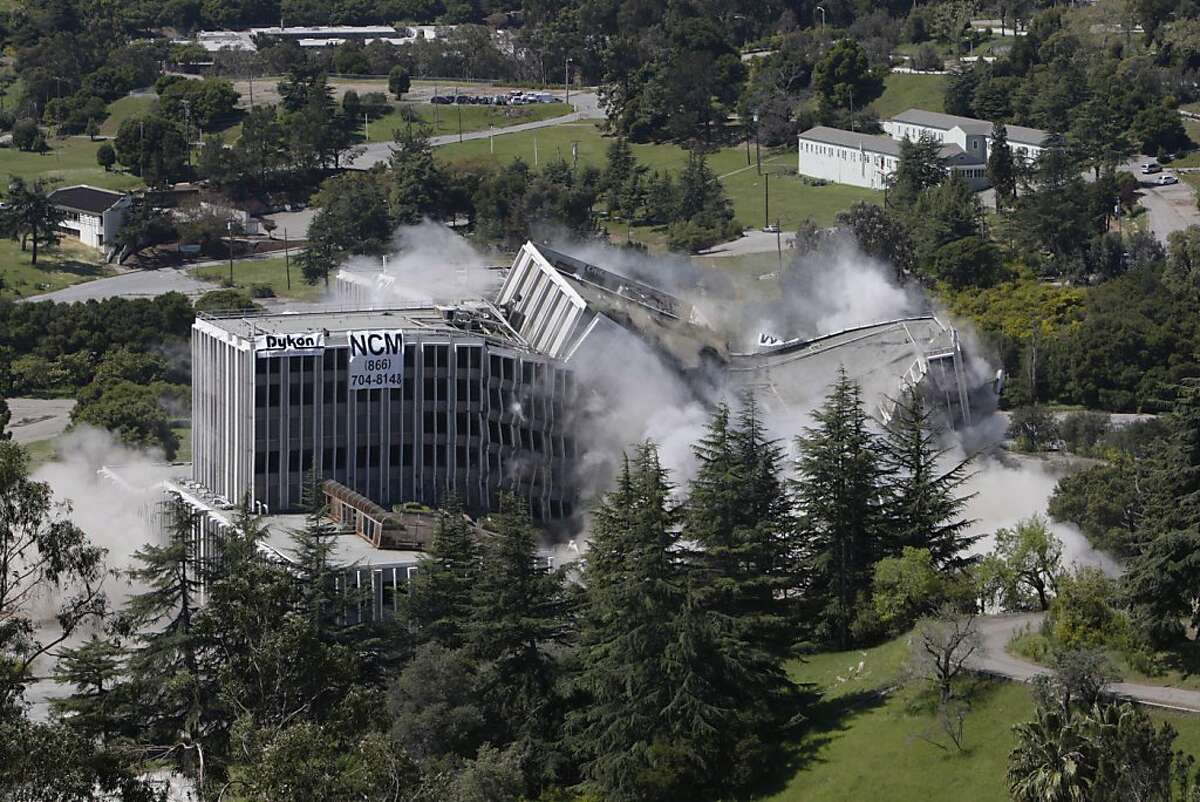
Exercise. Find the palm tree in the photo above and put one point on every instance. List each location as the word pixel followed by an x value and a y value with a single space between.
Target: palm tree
pixel 1053 760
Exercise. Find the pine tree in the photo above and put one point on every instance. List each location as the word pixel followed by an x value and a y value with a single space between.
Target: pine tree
pixel 94 669
pixel 439 596
pixel 313 557
pixel 620 168
pixel 1162 580
pixel 520 617
pixel 842 527
pixel 1000 168
pixel 739 517
pixel 926 502
pixel 168 680
pixel 634 588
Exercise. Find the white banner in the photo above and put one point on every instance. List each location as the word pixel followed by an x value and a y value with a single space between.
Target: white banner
pixel 376 359
pixel 310 343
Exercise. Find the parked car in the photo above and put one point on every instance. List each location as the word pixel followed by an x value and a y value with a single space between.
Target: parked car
pixel 771 228
pixel 1167 179
pixel 1149 168
pixel 441 100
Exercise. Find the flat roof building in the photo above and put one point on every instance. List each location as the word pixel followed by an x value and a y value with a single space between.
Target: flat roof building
pixel 398 405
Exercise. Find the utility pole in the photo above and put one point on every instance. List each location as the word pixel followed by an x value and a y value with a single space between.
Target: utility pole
pixel 535 152
pixel 746 126
pixel 287 262
pixel 459 107
pixel 229 228
pixel 822 17
pixel 187 129
pixel 567 79
pixel 766 200
pixel 779 244
pixel 491 139
pixel 757 154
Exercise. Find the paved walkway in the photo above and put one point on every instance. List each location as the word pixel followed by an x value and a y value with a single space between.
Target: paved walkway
pixel 36 419
pixel 993 658
pixel 586 104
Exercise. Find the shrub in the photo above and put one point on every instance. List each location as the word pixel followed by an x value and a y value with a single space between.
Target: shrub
pixel 927 58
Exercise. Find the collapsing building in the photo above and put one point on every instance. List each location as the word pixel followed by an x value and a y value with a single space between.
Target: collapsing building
pixel 565 307
pixel 396 407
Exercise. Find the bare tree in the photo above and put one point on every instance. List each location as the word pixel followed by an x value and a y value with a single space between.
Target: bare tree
pixel 941 646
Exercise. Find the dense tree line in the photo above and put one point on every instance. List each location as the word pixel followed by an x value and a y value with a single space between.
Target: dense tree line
pixel 657 673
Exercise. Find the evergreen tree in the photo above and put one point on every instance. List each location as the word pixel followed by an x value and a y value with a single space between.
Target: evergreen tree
pixel 1162 580
pixel 439 596
pixel 520 616
pixel 738 515
pixel 926 505
pixel 1000 168
pixel 94 669
pixel 621 166
pixel 634 588
pixel 170 684
pixel 920 167
pixel 842 528
pixel 312 557
pixel 419 187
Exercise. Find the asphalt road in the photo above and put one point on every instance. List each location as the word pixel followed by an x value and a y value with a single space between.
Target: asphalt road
pixel 36 419
pixel 586 104
pixel 992 658
pixel 135 284
pixel 1171 208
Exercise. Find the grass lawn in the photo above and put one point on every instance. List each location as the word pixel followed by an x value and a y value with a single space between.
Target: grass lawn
pixel 903 91
pixel 69 263
pixel 791 200
pixel 474 118
pixel 122 109
pixel 71 160
pixel 863 745
pixel 184 433
pixel 271 272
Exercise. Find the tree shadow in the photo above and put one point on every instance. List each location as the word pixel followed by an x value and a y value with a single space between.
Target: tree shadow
pixel 75 267
pixel 1183 657
pixel 820 718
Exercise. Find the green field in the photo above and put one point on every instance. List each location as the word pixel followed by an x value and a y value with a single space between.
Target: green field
pixel 904 91
pixel 791 200
pixel 860 744
pixel 474 118
pixel 270 272
pixel 122 109
pixel 69 263
pixel 71 160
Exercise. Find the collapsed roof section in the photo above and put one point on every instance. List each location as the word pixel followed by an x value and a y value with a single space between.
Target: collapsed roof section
pixel 565 307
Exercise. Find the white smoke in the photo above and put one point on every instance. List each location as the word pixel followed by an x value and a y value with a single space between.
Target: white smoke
pixel 429 263
pixel 111 514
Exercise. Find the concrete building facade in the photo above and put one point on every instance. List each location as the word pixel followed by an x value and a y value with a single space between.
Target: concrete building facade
pixel 463 405
pixel 93 215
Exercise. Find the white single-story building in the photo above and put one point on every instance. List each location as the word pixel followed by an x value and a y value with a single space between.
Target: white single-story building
pixel 868 160
pixel 973 136
pixel 93 215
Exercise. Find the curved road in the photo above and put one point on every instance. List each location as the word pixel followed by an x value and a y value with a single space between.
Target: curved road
pixel 586 105
pixel 992 657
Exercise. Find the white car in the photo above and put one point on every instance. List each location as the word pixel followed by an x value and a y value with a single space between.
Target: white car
pixel 1151 167
pixel 1167 179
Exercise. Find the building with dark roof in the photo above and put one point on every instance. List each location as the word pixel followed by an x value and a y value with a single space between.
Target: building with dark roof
pixel 94 216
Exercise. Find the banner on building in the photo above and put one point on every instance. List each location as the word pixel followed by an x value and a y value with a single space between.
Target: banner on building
pixel 376 359
pixel 311 343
